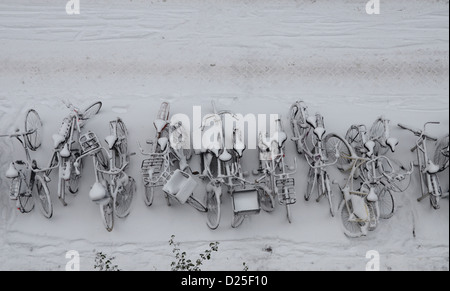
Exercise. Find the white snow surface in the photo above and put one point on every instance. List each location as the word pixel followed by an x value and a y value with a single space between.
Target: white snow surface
pixel 250 57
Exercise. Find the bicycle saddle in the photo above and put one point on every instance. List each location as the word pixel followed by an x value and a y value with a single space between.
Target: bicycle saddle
pixel 372 195
pixel 239 145
pixel 163 141
pixel 319 132
pixel 225 156
pixel 392 142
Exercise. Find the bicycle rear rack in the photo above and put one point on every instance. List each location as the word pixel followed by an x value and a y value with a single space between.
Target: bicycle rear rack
pixel 156 170
pixel 286 190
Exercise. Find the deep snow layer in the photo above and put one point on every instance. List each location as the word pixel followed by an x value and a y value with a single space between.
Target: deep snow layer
pixel 251 58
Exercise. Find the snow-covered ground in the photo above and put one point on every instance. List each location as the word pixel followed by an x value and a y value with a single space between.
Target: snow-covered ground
pixel 250 57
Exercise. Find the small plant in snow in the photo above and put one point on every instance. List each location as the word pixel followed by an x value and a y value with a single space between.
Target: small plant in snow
pixel 185 264
pixel 104 263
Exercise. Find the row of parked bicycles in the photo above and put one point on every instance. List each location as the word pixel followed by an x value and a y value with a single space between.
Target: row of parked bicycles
pixel 361 154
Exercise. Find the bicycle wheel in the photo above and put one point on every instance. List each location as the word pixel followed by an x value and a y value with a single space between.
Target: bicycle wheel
pixel 213 205
pixel 297 117
pixel 106 211
pixel 351 228
pixel 43 196
pixel 124 198
pixel 377 129
pixel 289 213
pixel 25 201
pixel 441 154
pixel 386 202
pixel 337 150
pixel 121 146
pixel 327 192
pixel 237 220
pixel 91 110
pixel 33 124
pixel 74 180
pixel 194 202
pixel 354 138
pixel 149 194
pixel 265 194
pixel 436 192
pixel 310 183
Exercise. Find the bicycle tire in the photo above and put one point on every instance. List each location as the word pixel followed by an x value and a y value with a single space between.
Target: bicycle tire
pixel 43 196
pixel 386 203
pixel 237 220
pixel 33 123
pixel 107 214
pixel 334 142
pixel 354 138
pixel 328 192
pixel 197 204
pixel 121 146
pixel 74 180
pixel 26 202
pixel 310 184
pixel 436 192
pixel 213 212
pixel 91 110
pixel 297 117
pixel 439 158
pixel 149 194
pixel 351 229
pixel 266 199
pixel 124 198
pixel 288 212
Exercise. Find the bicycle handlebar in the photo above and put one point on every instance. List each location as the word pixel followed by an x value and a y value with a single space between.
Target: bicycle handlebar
pixel 418 132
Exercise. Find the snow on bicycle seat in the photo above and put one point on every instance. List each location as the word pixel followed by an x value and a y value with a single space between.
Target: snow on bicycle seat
pixel 57 139
pixel 225 156
pixel 431 168
pixel 239 145
pixel 63 132
pixel 111 141
pixel 163 141
pixel 392 142
pixel 319 132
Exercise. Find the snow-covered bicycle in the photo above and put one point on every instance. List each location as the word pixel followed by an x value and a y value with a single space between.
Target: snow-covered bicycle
pixel 28 181
pixel 67 149
pixel 309 136
pixel 275 182
pixel 363 205
pixel 220 166
pixel 376 141
pixel 113 189
pixel 166 166
pixel 429 180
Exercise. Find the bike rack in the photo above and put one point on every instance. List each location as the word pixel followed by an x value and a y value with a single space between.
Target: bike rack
pixel 286 183
pixel 156 170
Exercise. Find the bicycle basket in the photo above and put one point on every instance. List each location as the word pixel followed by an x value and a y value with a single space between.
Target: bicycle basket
pixel 89 142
